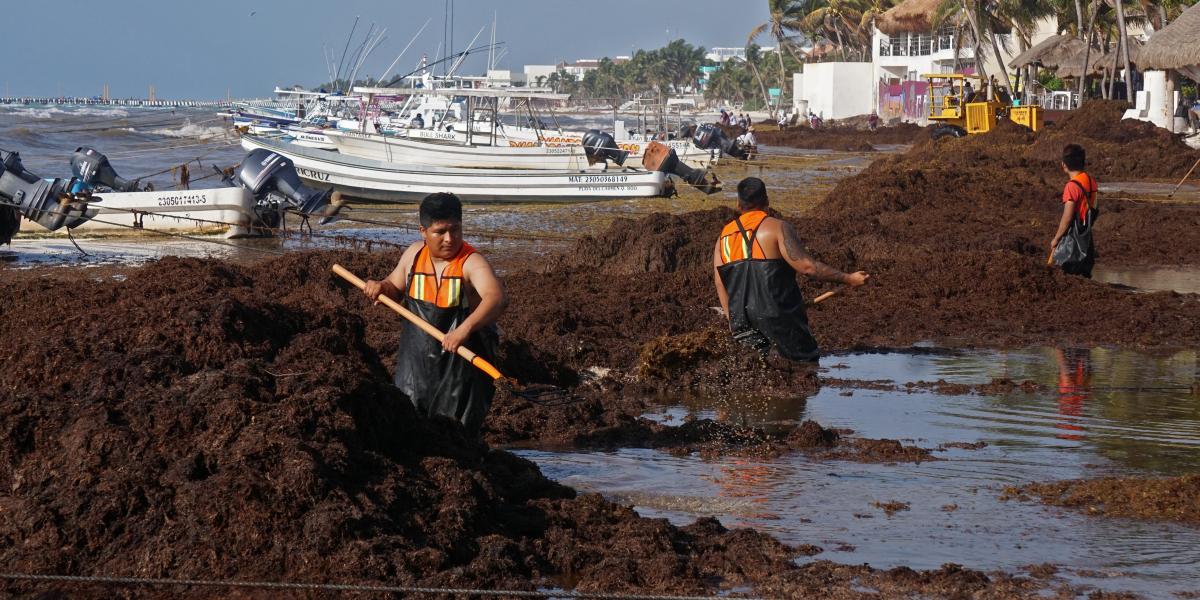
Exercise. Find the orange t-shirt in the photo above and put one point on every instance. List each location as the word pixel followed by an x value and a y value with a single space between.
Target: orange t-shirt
pixel 1074 192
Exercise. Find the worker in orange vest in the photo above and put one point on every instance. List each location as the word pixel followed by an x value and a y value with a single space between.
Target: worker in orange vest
pixel 449 284
pixel 755 263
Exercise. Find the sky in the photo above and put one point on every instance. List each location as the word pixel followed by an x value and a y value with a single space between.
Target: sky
pixel 202 49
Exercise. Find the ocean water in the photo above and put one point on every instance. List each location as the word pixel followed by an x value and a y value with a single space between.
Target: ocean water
pixel 139 141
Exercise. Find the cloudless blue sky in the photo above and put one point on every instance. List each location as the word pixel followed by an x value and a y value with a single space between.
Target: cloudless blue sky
pixel 198 49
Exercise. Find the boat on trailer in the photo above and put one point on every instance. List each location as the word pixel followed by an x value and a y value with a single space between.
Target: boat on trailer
pixel 379 180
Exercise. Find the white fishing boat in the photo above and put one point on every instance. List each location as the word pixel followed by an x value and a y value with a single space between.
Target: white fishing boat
pixel 449 149
pixel 404 150
pixel 482 141
pixel 379 180
pixel 227 210
pixel 309 137
pixel 254 200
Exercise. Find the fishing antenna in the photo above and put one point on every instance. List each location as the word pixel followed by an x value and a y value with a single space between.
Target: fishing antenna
pixel 410 43
pixel 463 56
pixel 354 57
pixel 371 48
pixel 338 71
pixel 439 61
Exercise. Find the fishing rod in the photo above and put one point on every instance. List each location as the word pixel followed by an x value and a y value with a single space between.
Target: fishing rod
pixel 463 58
pixel 338 70
pixel 455 56
pixel 369 45
pixel 402 52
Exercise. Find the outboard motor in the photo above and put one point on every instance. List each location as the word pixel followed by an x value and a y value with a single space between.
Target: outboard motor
pixel 39 200
pixel 273 180
pixel 710 137
pixel 685 131
pixel 91 168
pixel 601 147
pixel 660 157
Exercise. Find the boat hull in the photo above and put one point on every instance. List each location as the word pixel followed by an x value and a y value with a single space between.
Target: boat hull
pixel 378 180
pixel 433 153
pixel 229 210
pixel 507 154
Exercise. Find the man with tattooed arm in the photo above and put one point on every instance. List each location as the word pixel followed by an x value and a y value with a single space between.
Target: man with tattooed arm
pixel 755 263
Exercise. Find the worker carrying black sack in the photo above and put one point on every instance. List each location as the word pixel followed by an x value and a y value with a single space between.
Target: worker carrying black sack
pixel 1072 247
pixel 451 286
pixel 755 263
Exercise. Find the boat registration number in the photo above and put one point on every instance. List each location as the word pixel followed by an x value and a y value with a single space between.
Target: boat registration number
pixel 183 200
pixel 599 178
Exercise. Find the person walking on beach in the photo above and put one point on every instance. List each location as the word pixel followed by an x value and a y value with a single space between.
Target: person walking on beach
pixel 755 262
pixel 1072 247
pixel 1193 114
pixel 447 283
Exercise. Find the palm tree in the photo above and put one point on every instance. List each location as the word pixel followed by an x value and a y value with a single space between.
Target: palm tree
pixel 1022 18
pixel 954 10
pixel 871 11
pixel 539 80
pixel 842 21
pixel 753 57
pixel 786 18
pixel 1124 39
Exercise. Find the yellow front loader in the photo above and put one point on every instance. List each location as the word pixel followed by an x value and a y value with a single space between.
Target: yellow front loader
pixel 966 104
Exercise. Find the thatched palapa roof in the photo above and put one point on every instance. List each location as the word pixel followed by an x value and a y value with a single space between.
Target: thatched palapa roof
pixel 1041 50
pixel 1064 54
pixel 1176 46
pixel 908 16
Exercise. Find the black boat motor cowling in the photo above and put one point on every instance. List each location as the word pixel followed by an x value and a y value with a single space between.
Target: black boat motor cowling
pixel 710 137
pixel 91 168
pixel 43 201
pixel 266 174
pixel 600 147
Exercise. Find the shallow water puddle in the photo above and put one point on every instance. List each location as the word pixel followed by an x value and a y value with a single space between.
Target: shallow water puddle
pixel 1102 412
pixel 1184 281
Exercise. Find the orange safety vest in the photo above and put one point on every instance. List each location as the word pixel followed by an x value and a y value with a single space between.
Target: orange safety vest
pixel 739 238
pixel 423 281
pixel 1089 187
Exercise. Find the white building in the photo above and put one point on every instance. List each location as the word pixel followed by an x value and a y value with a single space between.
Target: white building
pixel 504 78
pixel 580 67
pixel 834 90
pixel 720 55
pixel 532 72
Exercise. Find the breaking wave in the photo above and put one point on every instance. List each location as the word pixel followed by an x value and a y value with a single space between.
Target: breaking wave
pixel 192 131
pixel 51 112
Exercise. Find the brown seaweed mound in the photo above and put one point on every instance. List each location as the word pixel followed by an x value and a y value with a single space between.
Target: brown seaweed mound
pixel 1160 499
pixel 843 138
pixel 212 421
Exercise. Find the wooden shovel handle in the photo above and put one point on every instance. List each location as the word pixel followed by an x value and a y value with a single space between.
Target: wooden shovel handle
pixel 471 357
pixel 822 297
